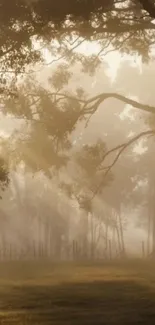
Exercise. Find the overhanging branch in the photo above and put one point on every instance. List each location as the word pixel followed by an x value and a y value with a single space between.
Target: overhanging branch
pixel 149 6
pixel 119 149
pixel 91 105
pixel 102 97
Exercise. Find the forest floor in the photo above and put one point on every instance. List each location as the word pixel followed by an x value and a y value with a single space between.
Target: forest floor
pixel 72 294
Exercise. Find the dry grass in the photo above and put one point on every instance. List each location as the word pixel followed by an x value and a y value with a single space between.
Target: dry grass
pixel 43 293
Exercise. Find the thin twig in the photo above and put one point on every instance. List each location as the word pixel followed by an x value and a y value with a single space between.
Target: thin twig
pixel 122 148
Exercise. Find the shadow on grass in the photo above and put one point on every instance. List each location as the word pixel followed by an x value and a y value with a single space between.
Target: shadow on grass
pixel 113 302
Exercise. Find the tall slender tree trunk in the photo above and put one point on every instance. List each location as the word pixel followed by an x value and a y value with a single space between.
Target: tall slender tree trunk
pixel 84 221
pixel 121 233
pixel 114 247
pixel 149 228
pixel 46 238
pixel 153 231
pixel 92 240
pixel 152 210
pixel 39 237
pixel 118 239
pixel 106 238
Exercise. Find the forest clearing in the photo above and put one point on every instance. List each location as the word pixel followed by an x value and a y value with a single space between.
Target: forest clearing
pixel 68 293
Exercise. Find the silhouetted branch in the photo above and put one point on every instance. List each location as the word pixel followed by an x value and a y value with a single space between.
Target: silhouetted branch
pixel 102 97
pixel 149 6
pixel 68 51
pixel 60 96
pixel 97 100
pixel 120 148
pixel 90 106
pixel 119 29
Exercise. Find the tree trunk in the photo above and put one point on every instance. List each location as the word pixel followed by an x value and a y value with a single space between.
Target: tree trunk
pixel 152 207
pixel 118 239
pixel 46 238
pixel 149 228
pixel 121 233
pixel 92 238
pixel 153 232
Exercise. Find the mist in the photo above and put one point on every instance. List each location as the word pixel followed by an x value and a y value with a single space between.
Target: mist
pixel 42 217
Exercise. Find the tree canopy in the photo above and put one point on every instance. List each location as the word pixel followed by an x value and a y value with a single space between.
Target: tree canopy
pixel 36 33
pixel 123 25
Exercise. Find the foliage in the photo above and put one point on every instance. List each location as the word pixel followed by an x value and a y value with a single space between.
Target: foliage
pixel 124 26
pixel 86 177
pixel 52 114
pixel 4 174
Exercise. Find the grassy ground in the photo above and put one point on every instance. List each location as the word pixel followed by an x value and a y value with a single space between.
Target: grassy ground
pixel 42 293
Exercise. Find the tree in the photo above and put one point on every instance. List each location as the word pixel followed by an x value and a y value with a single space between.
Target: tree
pixel 4 175
pixel 136 84
pixel 126 26
pixel 52 114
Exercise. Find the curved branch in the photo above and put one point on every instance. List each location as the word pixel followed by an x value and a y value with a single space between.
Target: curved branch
pixel 102 97
pixel 97 100
pixel 121 149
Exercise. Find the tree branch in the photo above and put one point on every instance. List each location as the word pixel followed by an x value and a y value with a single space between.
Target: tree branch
pixel 61 96
pixel 120 148
pixel 64 55
pixel 119 29
pixel 102 97
pixel 149 6
pixel 97 100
